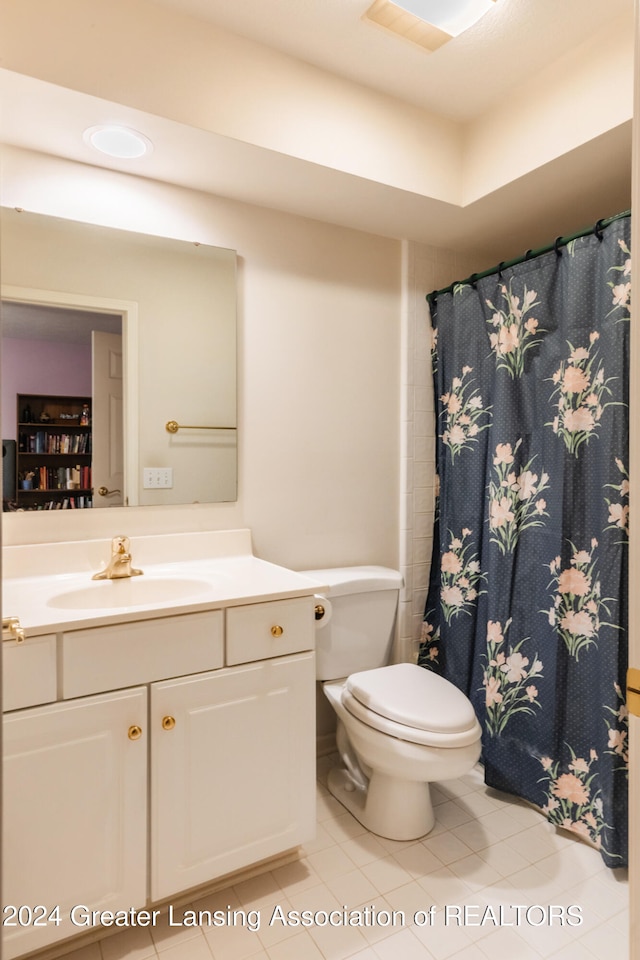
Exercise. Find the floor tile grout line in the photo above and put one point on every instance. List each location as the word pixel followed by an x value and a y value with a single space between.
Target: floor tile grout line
pixel 396 860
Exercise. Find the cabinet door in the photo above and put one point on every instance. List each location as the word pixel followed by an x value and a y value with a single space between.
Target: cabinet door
pixel 232 770
pixel 74 817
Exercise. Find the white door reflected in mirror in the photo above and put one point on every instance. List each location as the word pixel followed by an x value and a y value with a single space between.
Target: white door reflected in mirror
pixel 108 453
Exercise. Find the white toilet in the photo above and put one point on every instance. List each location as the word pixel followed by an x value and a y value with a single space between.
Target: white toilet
pixel 400 726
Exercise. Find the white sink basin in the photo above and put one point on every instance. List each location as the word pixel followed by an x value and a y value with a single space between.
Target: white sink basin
pixel 130 592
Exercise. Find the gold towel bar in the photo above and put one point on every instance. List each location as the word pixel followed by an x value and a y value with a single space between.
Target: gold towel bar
pixel 172 426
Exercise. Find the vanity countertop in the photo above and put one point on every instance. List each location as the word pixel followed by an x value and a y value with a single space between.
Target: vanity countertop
pixel 199 580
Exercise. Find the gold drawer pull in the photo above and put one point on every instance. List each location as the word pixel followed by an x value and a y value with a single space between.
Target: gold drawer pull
pixel 319 611
pixel 135 732
pixel 277 630
pixel 168 723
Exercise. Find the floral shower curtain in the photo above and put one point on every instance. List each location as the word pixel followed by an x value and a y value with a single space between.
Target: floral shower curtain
pixel 527 603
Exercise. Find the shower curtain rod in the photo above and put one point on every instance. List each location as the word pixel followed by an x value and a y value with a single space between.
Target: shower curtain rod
pixel 529 255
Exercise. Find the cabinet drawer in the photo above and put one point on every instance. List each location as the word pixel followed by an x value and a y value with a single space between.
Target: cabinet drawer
pixel 262 630
pixel 28 672
pixel 106 658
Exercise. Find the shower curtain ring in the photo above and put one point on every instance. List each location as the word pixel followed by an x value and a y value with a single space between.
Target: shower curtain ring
pixel 598 230
pixel 527 255
pixel 473 280
pixel 556 247
pixel 500 269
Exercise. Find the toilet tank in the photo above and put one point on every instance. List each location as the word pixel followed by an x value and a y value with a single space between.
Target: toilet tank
pixel 358 632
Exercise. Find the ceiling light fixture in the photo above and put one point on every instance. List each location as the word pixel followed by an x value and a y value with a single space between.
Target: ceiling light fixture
pixel 116 141
pixel 452 16
pixel 430 23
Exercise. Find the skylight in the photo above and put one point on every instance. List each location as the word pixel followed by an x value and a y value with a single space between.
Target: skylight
pixel 452 16
pixel 429 23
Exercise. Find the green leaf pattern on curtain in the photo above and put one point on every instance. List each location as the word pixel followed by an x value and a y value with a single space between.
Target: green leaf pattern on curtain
pixel 574 800
pixel 507 679
pixel 621 292
pixel 579 394
pixel 514 332
pixel 618 742
pixel 463 412
pixel 618 508
pixel 577 601
pixel 461 577
pixel 527 605
pixel 515 503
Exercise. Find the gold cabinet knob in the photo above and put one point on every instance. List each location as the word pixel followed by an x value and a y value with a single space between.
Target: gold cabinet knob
pixel 277 630
pixel 168 723
pixel 135 732
pixel 319 611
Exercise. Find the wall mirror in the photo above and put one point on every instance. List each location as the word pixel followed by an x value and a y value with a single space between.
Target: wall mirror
pixel 118 367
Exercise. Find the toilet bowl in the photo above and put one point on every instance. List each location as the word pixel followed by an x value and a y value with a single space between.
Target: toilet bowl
pixel 416 728
pixel 400 726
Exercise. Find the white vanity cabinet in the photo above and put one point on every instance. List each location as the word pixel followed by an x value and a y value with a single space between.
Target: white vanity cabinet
pixel 232 772
pixel 180 748
pixel 74 812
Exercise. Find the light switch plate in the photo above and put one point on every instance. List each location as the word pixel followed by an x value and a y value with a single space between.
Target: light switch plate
pixel 155 478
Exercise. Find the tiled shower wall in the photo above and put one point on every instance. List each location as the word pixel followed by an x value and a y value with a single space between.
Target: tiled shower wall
pixel 424 269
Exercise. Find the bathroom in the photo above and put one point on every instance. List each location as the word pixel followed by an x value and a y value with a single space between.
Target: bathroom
pixel 316 289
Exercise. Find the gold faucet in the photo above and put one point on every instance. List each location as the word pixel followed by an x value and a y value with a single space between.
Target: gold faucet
pixel 119 566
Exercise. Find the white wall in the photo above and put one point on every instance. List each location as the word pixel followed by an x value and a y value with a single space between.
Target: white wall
pixel 550 114
pixel 319 355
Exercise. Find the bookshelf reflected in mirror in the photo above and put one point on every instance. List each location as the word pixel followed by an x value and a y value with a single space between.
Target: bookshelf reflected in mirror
pixel 53 456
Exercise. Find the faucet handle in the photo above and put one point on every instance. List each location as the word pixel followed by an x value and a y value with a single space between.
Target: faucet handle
pixel 11 629
pixel 119 566
pixel 120 545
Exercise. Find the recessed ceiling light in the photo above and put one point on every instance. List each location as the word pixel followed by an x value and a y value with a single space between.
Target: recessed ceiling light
pixel 430 23
pixel 118 141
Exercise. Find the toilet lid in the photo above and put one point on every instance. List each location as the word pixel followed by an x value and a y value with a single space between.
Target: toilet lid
pixel 413 697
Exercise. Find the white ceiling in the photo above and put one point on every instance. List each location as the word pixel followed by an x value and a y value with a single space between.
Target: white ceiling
pixel 461 80
pixel 45 118
pixel 517 40
pixel 31 321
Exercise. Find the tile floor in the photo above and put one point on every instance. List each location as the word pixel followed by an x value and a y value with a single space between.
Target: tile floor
pixel 486 850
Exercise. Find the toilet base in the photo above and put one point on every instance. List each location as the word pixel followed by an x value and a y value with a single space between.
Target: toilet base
pixel 389 807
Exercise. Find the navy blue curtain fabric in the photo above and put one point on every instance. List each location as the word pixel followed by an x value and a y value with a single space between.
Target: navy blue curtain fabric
pixel 527 604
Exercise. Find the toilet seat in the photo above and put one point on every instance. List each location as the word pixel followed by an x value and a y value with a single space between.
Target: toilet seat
pixel 411 703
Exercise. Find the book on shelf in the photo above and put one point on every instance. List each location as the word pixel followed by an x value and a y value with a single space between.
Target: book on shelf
pixel 54 443
pixel 77 477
